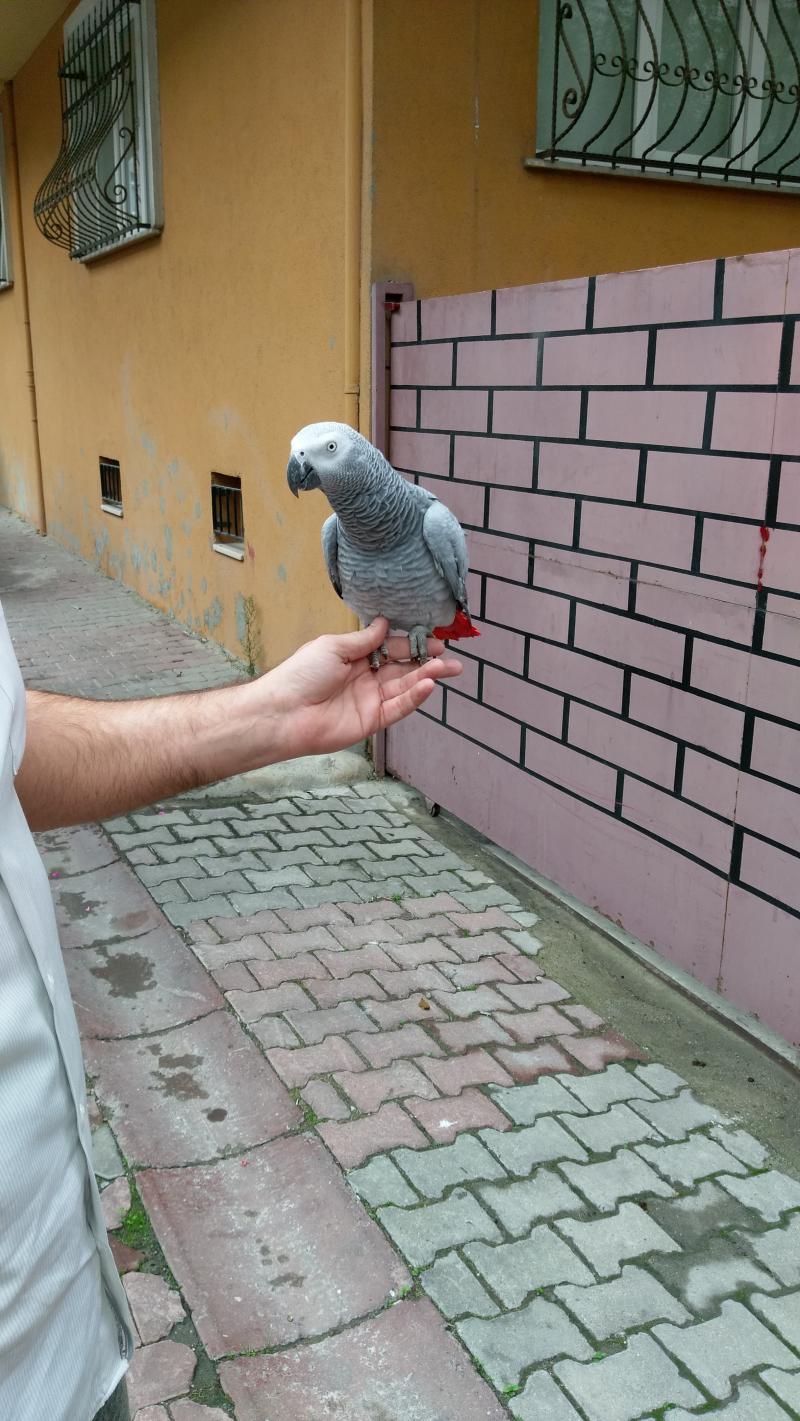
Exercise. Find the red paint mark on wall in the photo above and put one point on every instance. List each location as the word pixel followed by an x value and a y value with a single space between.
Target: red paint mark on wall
pixel 762 555
pixel 251 552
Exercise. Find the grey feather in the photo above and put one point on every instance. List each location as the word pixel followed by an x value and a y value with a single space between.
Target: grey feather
pixel 445 538
pixel 330 549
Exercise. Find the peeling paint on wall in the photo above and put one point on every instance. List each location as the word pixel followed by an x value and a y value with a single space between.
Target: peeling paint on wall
pixel 212 616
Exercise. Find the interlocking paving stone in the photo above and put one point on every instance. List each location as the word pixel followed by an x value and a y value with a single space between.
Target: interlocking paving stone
pixel 380 1182
pixel 785 1385
pixel 449 1116
pixel 505 1346
pixel 782 1315
pixel 595 1052
pixel 697 1158
pixel 433 1171
pixel 725 1347
pixel 456 1290
pixel 676 1117
pixel 289 998
pixel 692 1219
pixel 148 984
pixel 265 1277
pixel 608 1309
pixel 752 1404
pixel 608 1088
pixel 369 1089
pixel 215 1109
pixel 703 1279
pixel 660 1079
pixel 522 1203
pixel 520 1150
pixel 542 1400
pixel 628 1383
pixel 623 1176
pixel 743 1146
pixel 771 1195
pixel 400 1366
pixel 605 1243
pixel 778 1249
pixel 155 1306
pixel 384 1047
pixel 529 1064
pixel 422 1233
pixel 296 1067
pixel 525 1103
pixel 473 1068
pixel 513 1270
pixel 613 1127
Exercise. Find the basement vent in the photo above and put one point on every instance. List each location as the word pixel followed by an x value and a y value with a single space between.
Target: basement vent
pixel 227 516
pixel 110 486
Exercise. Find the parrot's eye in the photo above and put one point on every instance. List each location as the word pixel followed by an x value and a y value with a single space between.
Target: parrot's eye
pixel 332 447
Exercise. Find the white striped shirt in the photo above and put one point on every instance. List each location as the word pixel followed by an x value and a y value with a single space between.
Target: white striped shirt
pixel 65 1332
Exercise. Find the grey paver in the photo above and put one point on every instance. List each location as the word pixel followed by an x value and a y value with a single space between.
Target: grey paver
pixel 520 1150
pixel 521 939
pixel 432 1171
pixel 630 1233
pixel 380 1182
pixel 782 1314
pixel 786 1385
pixel 778 1249
pixel 635 1298
pixel 724 1348
pixel 513 1270
pixel 506 1345
pixel 752 1404
pixel 694 1159
pixel 628 1383
pixel 676 1117
pixel 771 1195
pixel 705 1279
pixel 106 1158
pixel 522 1203
pixel 542 1400
pixel 692 1219
pixel 422 1233
pixel 456 1290
pixel 601 1134
pixel 660 1079
pixel 739 1143
pixel 624 1176
pixel 525 1103
pixel 607 1087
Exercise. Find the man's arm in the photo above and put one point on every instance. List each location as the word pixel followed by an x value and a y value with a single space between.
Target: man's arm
pixel 88 760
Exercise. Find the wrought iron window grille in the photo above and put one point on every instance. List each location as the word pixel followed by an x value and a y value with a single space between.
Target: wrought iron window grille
pixel 110 486
pixel 6 274
pixel 104 189
pixel 227 514
pixel 694 90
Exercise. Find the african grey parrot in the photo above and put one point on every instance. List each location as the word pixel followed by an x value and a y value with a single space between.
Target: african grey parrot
pixel 392 549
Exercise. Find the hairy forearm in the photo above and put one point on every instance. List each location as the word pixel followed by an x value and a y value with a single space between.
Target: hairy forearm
pixel 88 760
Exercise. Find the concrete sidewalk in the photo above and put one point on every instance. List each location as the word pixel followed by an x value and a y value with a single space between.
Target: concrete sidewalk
pixel 372 1150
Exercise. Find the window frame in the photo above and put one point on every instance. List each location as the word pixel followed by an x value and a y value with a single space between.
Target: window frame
pixel 148 122
pixel 6 265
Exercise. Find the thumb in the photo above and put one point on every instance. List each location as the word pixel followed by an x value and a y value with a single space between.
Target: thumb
pixel 352 646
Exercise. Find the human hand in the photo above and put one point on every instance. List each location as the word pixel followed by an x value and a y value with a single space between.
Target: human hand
pixel 326 696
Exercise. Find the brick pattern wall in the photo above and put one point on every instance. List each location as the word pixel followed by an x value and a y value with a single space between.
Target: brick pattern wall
pixel 624 453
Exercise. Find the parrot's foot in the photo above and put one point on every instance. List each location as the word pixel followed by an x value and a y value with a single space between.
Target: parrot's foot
pixel 377 658
pixel 418 642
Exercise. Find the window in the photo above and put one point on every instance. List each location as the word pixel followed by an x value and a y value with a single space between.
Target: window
pixel 227 516
pixel 672 88
pixel 110 486
pixel 104 190
pixel 6 275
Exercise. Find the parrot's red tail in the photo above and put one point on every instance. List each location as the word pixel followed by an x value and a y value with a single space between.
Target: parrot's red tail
pixel 460 627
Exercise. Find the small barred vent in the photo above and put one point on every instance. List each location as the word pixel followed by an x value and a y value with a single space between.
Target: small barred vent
pixel 226 509
pixel 110 485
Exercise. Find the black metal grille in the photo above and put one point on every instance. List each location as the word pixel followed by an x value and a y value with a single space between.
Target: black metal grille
pixel 5 265
pixel 110 482
pixel 94 195
pixel 690 89
pixel 226 509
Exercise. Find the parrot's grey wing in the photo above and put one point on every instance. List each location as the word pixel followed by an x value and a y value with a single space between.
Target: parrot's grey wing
pixel 330 548
pixel 445 540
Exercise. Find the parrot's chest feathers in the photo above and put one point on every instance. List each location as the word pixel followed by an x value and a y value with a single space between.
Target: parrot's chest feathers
pixel 399 582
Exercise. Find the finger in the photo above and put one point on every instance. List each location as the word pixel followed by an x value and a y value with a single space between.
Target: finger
pixel 352 646
pixel 402 704
pixel 396 678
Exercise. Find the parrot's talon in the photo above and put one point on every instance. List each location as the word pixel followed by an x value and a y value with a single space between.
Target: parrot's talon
pixel 384 652
pixel 418 643
pixel 375 660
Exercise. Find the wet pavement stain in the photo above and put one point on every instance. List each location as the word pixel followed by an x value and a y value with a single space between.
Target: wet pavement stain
pixel 216 1114
pixel 181 1086
pixel 75 905
pixel 127 973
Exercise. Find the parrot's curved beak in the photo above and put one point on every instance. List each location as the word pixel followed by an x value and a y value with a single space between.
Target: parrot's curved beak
pixel 301 476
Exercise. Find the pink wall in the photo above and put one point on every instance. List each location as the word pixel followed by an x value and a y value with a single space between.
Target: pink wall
pixel 624 453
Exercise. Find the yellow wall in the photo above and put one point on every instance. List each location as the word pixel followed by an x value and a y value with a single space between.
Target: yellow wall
pixel 208 347
pixel 455 104
pixel 19 476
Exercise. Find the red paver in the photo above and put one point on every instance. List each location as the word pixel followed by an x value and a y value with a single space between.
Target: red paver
pixel 115 1201
pixel 529 1065
pixel 159 1372
pixel 155 1306
pixel 251 1006
pixel 426 907
pixel 362 934
pixel 273 1031
pixel 369 1089
pixel 191 1411
pixel 146 984
pixel 287 969
pixel 488 944
pixel 232 928
pixel 476 974
pixel 126 1259
pixel 469 1002
pixel 298 919
pixel 344 989
pixel 417 929
pixel 527 995
pixel 235 977
pixel 263 1251
pixel 362 959
pixel 525 968
pixel 400 1366
pixel 415 954
pixel 481 922
pixel 216 955
pixel 595 1052
pixel 311 939
pixel 326 1103
pixel 461 1035
pixel 530 1026
pixel 410 1009
pixel 354 1142
pixel 476 1068
pixel 386 1046
pixel 416 979
pixel 107 903
pixel 378 910
pixel 449 1116
pixel 174 1098
pixel 298 1066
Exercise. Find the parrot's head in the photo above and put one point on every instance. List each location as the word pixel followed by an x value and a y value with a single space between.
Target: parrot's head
pixel 328 456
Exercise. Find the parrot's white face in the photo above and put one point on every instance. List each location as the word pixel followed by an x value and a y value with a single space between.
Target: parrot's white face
pixel 321 455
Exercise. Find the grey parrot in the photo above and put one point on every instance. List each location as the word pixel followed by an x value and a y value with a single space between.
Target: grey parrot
pixel 392 549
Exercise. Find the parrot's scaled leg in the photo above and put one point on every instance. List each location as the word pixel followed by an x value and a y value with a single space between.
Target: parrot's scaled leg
pixel 418 642
pixel 377 658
